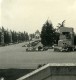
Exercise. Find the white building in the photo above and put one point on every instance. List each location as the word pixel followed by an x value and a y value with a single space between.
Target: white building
pixel 37 34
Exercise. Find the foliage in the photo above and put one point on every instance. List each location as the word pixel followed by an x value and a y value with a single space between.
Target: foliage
pixel 75 39
pixel 61 24
pixel 13 36
pixel 32 36
pixel 48 34
pixel 6 37
pixel 56 37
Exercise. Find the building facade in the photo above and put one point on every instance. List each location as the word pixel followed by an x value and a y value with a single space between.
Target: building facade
pixel 37 34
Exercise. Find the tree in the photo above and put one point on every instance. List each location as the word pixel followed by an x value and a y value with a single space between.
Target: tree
pixel 32 36
pixel 48 34
pixel 6 37
pixel 56 37
pixel 75 39
pixel 14 36
pixel 0 34
pixel 60 25
pixel 26 37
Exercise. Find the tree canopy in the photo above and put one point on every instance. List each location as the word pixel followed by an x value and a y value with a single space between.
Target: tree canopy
pixel 48 34
pixel 13 36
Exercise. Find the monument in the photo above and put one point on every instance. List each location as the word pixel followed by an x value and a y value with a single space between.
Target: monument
pixel 66 39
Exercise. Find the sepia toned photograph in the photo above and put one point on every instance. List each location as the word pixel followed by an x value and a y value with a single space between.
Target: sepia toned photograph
pixel 37 39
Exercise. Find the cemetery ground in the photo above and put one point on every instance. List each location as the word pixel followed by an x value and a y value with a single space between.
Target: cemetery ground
pixel 15 60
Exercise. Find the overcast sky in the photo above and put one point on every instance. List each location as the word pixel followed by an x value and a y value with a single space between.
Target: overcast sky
pixel 30 15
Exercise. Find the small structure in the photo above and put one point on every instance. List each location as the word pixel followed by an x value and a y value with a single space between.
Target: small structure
pixel 66 39
pixel 37 34
pixel 66 36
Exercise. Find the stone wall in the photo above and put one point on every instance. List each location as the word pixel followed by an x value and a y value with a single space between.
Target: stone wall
pixel 52 72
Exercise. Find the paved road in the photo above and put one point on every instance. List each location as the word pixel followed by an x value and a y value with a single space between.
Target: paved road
pixel 15 56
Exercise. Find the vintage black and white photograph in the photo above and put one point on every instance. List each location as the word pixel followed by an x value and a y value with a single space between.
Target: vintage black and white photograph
pixel 37 39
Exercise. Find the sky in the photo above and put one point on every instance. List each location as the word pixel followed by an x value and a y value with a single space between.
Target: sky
pixel 30 15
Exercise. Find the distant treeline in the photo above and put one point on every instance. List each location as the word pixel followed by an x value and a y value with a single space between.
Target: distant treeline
pixel 9 36
pixel 75 39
